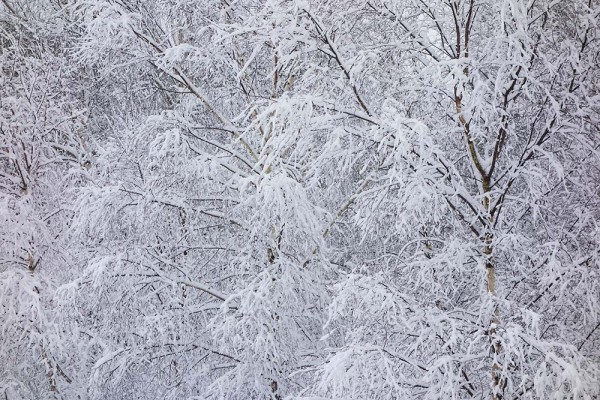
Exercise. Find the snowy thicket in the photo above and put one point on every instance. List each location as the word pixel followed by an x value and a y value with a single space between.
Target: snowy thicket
pixel 293 199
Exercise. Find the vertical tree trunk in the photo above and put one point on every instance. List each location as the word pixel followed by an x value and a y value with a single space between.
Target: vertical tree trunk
pixel 488 249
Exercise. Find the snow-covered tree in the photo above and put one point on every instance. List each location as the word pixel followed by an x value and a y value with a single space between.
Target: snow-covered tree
pixel 387 199
pixel 480 278
pixel 43 151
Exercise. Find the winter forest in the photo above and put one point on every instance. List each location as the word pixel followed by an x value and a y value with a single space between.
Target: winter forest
pixel 299 199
